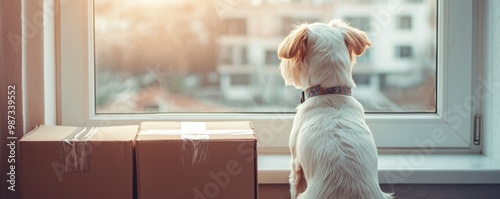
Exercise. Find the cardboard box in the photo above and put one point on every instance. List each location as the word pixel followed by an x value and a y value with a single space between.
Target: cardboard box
pixel 186 160
pixel 70 162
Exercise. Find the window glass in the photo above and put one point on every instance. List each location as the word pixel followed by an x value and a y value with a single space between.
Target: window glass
pixel 176 56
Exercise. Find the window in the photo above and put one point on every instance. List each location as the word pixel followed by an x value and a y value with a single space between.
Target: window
pixel 404 23
pixel 226 55
pixel 233 55
pixel 404 51
pixel 447 78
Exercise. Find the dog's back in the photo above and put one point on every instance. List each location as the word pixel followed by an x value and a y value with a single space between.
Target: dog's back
pixel 336 150
pixel 332 148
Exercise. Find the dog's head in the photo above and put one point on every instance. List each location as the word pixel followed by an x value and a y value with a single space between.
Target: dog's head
pixel 321 54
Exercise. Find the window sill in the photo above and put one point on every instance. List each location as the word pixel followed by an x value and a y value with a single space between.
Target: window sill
pixel 404 169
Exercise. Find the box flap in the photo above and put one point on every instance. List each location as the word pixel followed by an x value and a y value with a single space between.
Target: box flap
pixel 209 125
pixel 115 133
pixel 229 125
pixel 211 137
pixel 159 125
pixel 59 133
pixel 49 133
pixel 215 130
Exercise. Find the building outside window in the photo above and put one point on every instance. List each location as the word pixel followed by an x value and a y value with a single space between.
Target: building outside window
pixel 194 38
pixel 233 55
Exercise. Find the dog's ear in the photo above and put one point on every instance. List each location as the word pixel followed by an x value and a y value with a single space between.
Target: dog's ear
pixel 355 40
pixel 294 45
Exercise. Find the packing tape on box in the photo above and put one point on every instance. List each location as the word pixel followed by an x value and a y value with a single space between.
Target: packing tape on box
pixel 194 148
pixel 200 133
pixel 194 136
pixel 75 150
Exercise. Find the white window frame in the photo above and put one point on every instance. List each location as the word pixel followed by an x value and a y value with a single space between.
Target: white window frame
pixel 447 130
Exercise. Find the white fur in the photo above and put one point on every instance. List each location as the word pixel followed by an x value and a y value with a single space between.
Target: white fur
pixel 333 151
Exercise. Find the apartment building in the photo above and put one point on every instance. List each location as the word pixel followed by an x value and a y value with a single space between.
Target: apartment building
pixel 402 34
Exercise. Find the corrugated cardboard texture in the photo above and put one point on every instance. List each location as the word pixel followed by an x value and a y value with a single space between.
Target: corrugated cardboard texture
pixel 110 174
pixel 229 171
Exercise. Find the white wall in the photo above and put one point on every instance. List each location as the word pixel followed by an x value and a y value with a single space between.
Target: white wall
pixel 491 74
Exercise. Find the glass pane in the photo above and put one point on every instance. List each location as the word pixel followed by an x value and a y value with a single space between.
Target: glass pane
pixel 179 56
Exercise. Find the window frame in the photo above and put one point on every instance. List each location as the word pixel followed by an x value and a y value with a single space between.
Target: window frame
pixel 447 130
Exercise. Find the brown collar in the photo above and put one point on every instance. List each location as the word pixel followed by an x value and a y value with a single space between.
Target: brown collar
pixel 317 90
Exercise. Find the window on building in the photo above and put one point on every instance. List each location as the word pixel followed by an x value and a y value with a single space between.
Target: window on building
pixel 226 55
pixel 243 56
pixel 233 55
pixel 404 23
pixel 404 51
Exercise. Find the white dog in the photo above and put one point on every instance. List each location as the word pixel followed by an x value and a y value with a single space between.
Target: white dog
pixel 332 148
